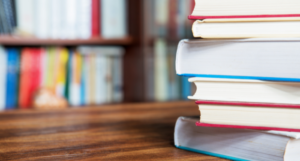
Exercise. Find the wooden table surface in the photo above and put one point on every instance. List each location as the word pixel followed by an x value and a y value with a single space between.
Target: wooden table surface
pixel 112 132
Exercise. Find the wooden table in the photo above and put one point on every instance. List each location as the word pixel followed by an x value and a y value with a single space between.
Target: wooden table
pixel 112 132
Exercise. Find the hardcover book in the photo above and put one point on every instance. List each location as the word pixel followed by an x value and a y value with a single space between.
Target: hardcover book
pixel 236 144
pixel 262 59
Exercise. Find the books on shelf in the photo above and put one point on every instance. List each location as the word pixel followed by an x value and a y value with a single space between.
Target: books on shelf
pixel 64 19
pixel 236 144
pixel 64 71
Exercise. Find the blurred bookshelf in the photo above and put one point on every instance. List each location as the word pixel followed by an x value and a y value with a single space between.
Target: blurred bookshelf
pixel 150 29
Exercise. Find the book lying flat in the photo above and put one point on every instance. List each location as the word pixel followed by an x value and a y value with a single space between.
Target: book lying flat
pixel 246 90
pixel 246 29
pixel 263 59
pixel 208 9
pixel 236 144
pixel 281 117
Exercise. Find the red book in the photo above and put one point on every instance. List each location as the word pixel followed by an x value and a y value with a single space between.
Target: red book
pixel 29 75
pixel 35 72
pixel 243 114
pixel 25 72
pixel 96 18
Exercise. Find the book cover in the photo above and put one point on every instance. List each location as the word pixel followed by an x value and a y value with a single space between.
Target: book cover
pixel 3 66
pixel 95 27
pixel 12 78
pixel 25 76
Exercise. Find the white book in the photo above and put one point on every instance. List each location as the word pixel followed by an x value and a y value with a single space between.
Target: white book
pixel 247 29
pixel 161 70
pixel 236 144
pixel 42 18
pixel 263 59
pixel 70 19
pixel 25 11
pixel 244 90
pixel 117 80
pixel 84 19
pixel 264 8
pixel 100 89
pixel 113 18
pixel 3 66
pixel 56 18
pixel 108 78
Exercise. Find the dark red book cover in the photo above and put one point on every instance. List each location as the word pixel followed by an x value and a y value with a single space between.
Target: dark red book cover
pixel 271 105
pixel 96 18
pixel 242 16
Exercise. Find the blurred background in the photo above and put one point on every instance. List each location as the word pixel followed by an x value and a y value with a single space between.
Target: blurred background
pixel 74 53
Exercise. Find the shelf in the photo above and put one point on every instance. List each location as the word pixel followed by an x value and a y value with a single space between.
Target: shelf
pixel 14 40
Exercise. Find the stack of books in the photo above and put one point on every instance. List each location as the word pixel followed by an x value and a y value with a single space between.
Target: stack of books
pixel 248 85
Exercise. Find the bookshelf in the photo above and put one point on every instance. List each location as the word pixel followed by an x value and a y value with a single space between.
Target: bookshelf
pixel 138 60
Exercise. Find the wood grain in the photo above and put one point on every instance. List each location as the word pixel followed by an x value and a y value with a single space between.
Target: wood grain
pixel 112 132
pixel 14 40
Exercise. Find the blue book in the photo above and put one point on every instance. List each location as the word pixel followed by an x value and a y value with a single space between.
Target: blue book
pixel 12 77
pixel 186 87
pixel 261 59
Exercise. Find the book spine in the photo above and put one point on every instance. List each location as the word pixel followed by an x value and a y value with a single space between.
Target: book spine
pixel 25 16
pixel 25 76
pixel 161 70
pixel 84 19
pixel 3 65
pixel 12 78
pixel 95 27
pixel 113 19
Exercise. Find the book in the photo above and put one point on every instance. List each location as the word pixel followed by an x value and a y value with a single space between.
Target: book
pixel 9 15
pixel 113 19
pixel 3 66
pixel 4 19
pixel 12 77
pixel 42 18
pixel 236 144
pixel 95 22
pixel 56 19
pixel 262 59
pixel 24 99
pixel 84 19
pixel 161 70
pixel 63 56
pixel 246 29
pixel 244 90
pixel 75 78
pixel 209 9
pixel 25 17
pixel 262 116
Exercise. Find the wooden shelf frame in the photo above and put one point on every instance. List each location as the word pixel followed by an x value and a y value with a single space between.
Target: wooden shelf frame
pixel 16 41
